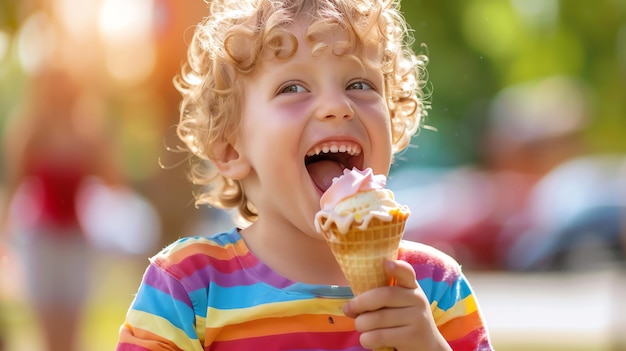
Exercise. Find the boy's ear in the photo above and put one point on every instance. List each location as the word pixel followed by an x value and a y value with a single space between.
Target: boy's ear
pixel 231 163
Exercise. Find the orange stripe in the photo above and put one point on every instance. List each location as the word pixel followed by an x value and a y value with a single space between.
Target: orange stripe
pixel 461 326
pixel 203 248
pixel 282 325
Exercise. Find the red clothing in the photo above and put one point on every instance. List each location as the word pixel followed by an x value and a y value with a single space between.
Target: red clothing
pixel 55 191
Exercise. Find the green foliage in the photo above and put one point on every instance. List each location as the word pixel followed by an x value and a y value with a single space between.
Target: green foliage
pixel 479 47
pixel 9 15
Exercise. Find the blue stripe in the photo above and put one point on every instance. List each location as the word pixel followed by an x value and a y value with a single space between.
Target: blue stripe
pixel 250 296
pixel 158 303
pixel 446 296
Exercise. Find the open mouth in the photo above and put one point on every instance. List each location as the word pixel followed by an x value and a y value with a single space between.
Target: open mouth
pixel 328 160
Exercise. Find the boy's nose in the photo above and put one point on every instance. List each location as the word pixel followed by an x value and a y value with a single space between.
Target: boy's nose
pixel 335 106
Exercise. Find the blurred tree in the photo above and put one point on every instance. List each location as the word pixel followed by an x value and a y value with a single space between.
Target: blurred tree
pixel 479 47
pixel 9 16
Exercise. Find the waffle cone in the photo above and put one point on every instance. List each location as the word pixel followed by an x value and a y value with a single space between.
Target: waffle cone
pixel 361 253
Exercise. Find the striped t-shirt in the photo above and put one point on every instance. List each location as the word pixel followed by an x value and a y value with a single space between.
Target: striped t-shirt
pixel 212 293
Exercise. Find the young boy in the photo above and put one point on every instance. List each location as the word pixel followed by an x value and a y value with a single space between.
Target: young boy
pixel 279 98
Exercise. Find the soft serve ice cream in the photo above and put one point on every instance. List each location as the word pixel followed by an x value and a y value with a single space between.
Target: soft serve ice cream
pixel 354 199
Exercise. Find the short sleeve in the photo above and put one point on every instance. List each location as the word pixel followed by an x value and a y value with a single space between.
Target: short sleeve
pixel 453 303
pixel 161 317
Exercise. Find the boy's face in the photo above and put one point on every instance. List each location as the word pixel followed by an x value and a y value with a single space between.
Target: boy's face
pixel 304 120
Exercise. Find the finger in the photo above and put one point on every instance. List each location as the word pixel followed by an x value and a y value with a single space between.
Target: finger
pixel 378 298
pixel 402 273
pixel 384 318
pixel 371 300
pixel 380 338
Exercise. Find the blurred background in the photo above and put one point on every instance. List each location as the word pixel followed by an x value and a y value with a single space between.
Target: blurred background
pixel 519 172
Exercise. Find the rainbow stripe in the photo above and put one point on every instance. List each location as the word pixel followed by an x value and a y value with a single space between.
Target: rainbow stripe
pixel 212 293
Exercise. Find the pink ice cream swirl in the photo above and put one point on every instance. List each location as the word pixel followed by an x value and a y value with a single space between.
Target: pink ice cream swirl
pixel 354 199
pixel 350 183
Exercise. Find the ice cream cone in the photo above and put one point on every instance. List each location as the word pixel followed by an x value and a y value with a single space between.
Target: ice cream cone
pixel 363 226
pixel 362 253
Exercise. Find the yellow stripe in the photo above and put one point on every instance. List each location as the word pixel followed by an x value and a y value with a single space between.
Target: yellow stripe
pixel 461 308
pixel 217 318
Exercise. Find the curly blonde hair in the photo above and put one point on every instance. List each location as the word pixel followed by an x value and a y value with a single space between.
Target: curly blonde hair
pixel 229 42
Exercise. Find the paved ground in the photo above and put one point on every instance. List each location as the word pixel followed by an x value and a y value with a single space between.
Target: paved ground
pixel 584 310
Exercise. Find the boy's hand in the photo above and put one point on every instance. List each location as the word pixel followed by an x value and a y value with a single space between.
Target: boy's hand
pixel 396 316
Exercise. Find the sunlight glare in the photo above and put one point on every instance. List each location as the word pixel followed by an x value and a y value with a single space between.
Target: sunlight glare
pixel 78 17
pixel 121 20
pixel 36 41
pixel 126 29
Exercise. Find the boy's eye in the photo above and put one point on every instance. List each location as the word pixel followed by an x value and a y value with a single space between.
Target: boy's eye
pixel 359 86
pixel 293 88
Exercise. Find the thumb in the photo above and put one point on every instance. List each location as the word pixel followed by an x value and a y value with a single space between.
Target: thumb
pixel 401 273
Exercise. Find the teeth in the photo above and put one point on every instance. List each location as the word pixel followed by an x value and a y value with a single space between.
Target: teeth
pixel 351 149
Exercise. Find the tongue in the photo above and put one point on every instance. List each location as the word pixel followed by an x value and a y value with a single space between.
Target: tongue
pixel 322 172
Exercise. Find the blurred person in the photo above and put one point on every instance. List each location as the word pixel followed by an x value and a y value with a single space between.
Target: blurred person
pixel 571 214
pixel 533 128
pixel 477 211
pixel 55 143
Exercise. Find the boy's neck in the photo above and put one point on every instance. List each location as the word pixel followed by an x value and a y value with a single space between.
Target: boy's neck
pixel 294 255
